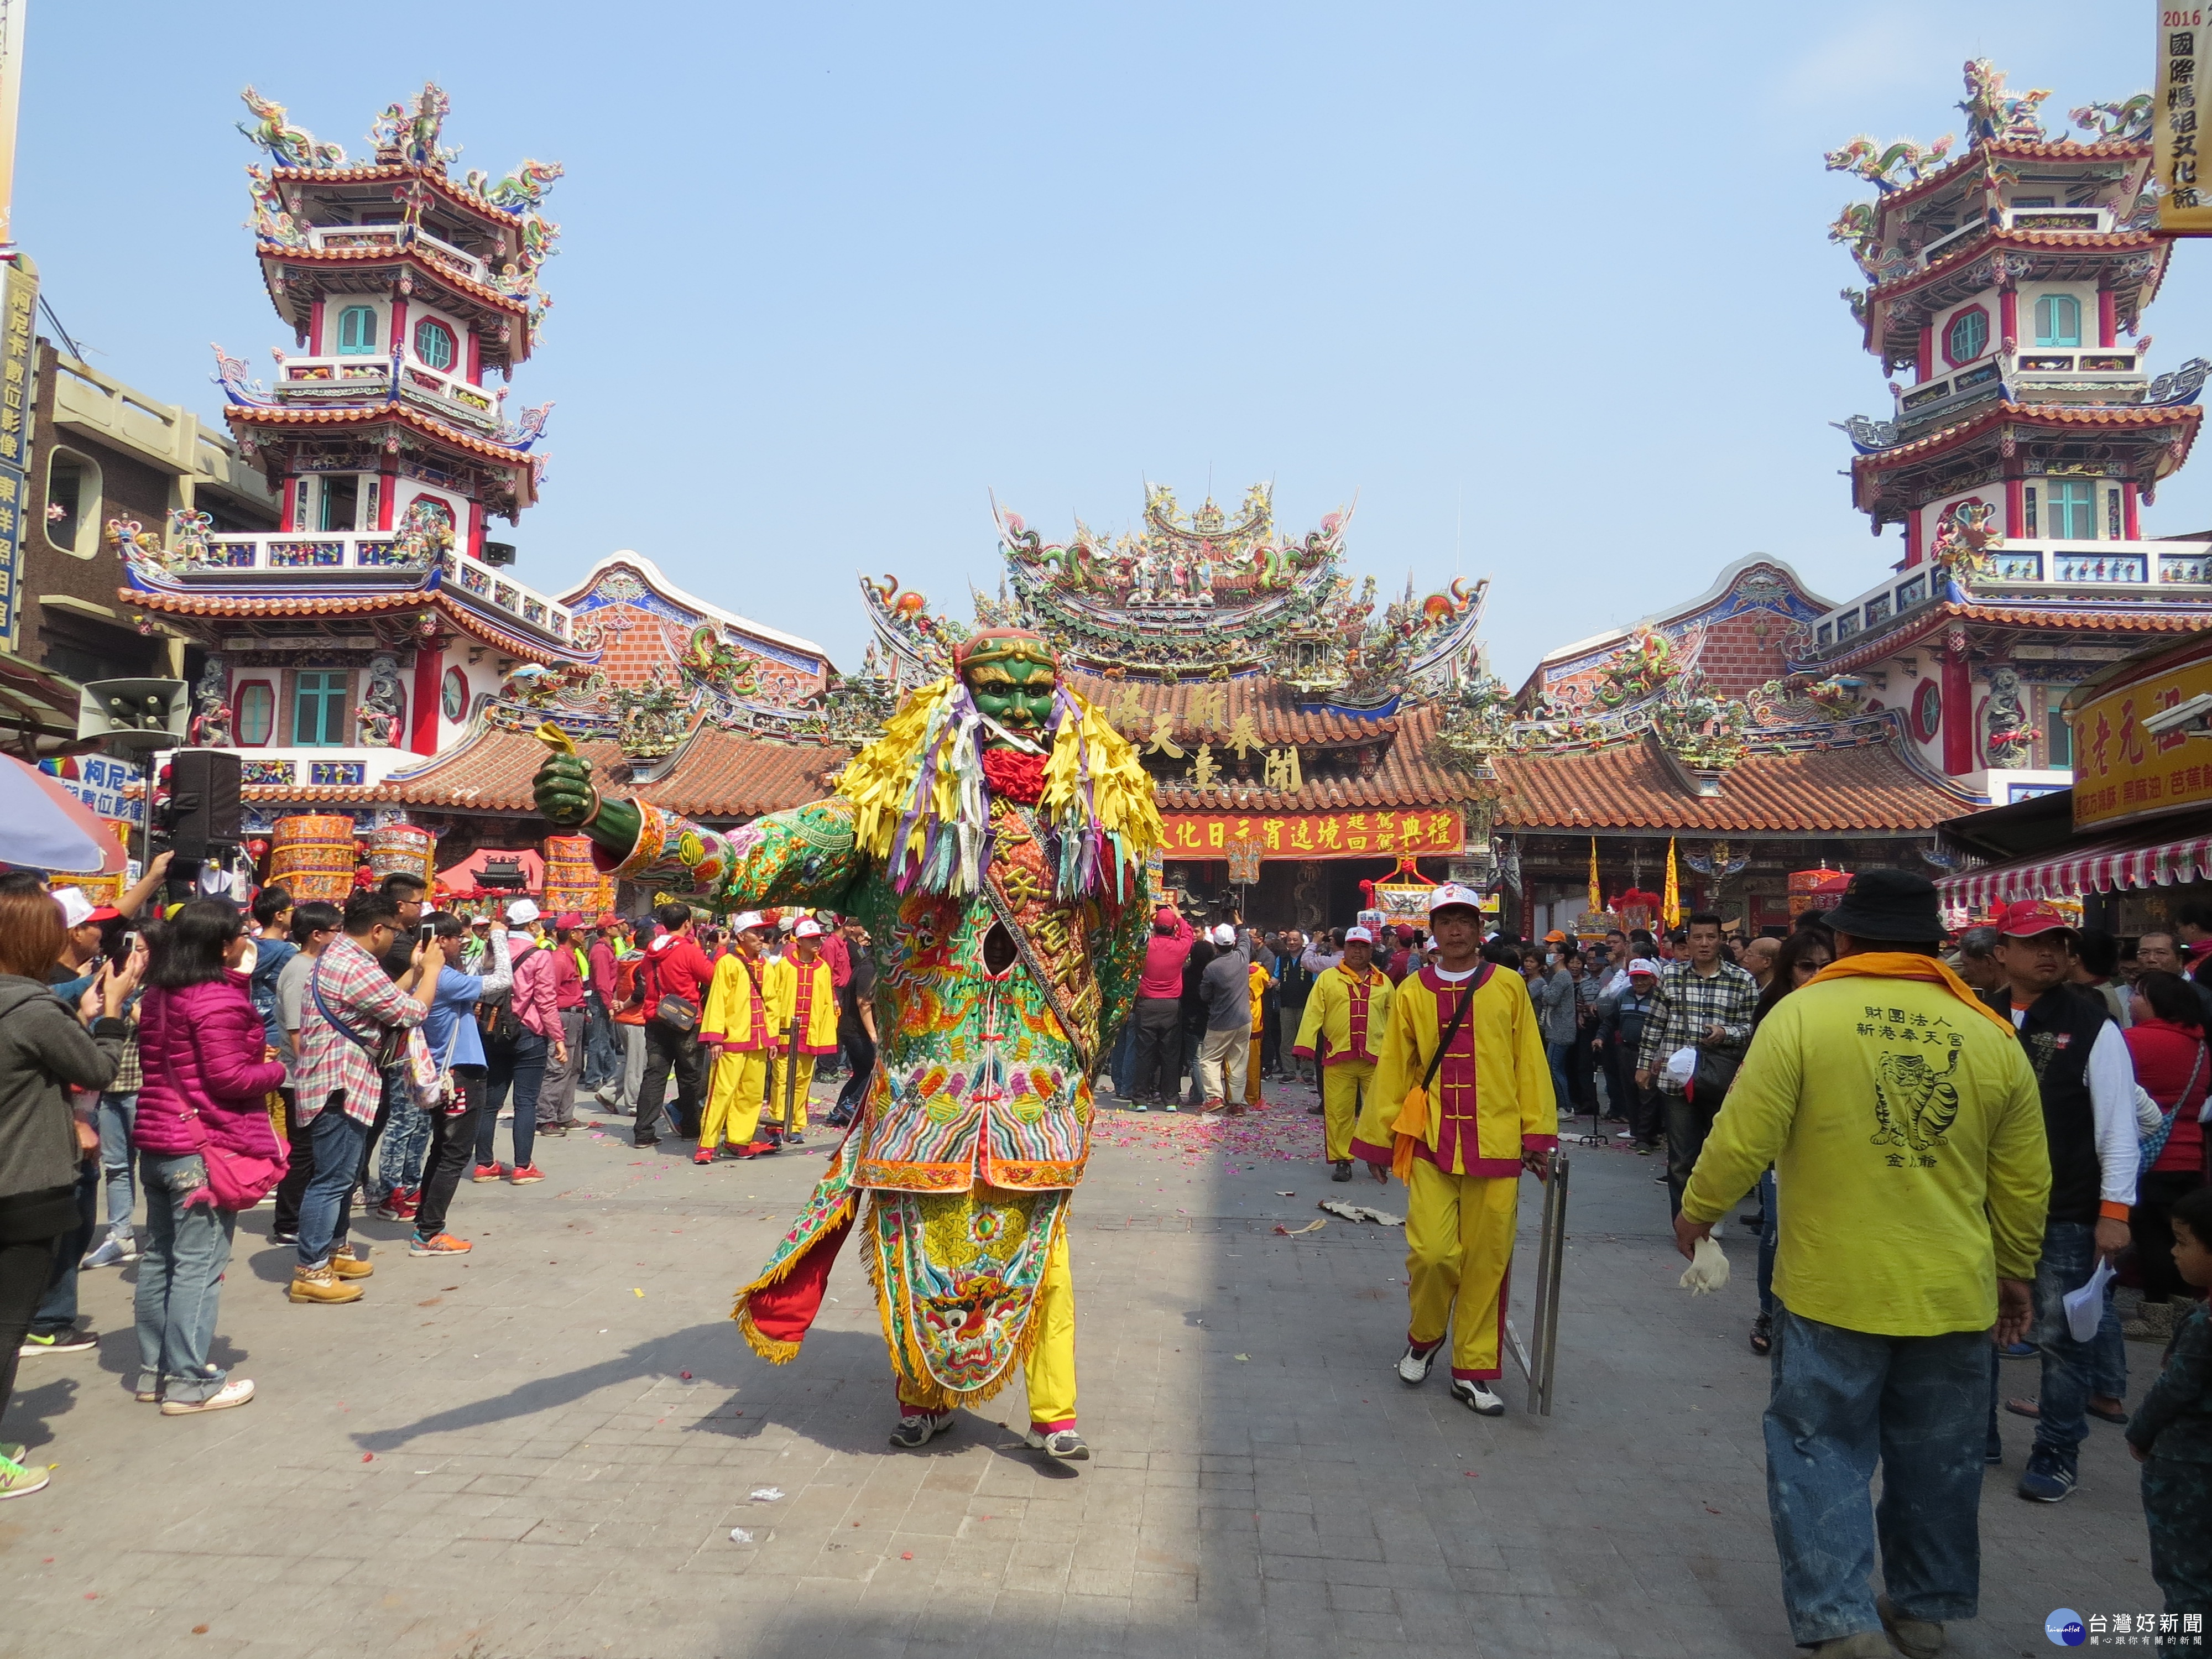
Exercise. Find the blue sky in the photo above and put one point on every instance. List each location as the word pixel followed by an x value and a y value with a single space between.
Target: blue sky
pixel 1547 289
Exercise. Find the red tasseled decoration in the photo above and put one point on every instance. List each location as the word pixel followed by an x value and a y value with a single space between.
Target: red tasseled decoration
pixel 1017 776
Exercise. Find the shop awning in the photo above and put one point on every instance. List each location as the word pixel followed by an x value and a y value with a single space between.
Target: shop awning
pixel 2147 856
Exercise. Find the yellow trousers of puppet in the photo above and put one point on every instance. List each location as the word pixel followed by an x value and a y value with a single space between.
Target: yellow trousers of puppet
pixel 1252 1073
pixel 734 1094
pixel 1341 1087
pixel 1459 1245
pixel 1049 1371
pixel 802 1070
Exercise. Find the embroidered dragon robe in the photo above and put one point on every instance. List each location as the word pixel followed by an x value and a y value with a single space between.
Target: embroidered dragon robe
pixel 993 1012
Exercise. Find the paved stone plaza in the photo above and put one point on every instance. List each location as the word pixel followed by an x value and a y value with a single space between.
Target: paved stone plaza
pixel 541 1449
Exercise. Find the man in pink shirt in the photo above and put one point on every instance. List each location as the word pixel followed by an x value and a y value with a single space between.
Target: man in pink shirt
pixel 602 1055
pixel 1156 1078
pixel 556 1101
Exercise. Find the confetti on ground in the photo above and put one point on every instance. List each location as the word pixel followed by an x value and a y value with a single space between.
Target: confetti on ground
pixel 1299 1232
pixel 768 1494
pixel 1245 1356
pixel 740 1536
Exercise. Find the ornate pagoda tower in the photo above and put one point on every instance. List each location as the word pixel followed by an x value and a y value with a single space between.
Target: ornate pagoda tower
pixel 404 291
pixel 2008 284
pixel 368 629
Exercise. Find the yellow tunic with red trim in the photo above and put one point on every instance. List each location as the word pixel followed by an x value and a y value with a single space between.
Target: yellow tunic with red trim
pixel 737 1011
pixel 805 993
pixel 1492 1099
pixel 1345 1016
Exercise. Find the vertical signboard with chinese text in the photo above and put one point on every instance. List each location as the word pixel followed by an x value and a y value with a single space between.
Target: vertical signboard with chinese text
pixel 19 303
pixel 2185 206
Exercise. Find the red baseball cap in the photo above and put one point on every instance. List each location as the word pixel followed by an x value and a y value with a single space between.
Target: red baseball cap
pixel 568 919
pixel 2025 918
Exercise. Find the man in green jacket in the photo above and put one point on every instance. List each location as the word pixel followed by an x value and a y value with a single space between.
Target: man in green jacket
pixel 1906 1133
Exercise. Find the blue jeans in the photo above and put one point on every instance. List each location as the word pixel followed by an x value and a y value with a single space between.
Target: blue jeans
pixel 1770 1239
pixel 1842 1400
pixel 117 1114
pixel 326 1207
pixel 522 1067
pixel 57 1309
pixel 180 1280
pixel 602 1053
pixel 1123 1065
pixel 399 1155
pixel 1559 1054
pixel 2072 1370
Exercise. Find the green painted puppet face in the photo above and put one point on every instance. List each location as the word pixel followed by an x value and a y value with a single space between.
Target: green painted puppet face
pixel 1014 688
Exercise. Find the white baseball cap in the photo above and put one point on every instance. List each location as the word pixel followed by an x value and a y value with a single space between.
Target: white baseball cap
pixel 1451 893
pixel 1644 965
pixel 1225 934
pixel 76 909
pixel 807 927
pixel 1358 936
pixel 748 919
pixel 522 910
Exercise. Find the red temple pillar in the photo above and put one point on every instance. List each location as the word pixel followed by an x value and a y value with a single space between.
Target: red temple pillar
pixel 2108 317
pixel 1924 368
pixel 1958 715
pixel 429 674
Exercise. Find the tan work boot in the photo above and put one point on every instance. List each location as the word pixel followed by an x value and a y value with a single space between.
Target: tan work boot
pixel 346 1265
pixel 1916 1638
pixel 321 1285
pixel 2154 1323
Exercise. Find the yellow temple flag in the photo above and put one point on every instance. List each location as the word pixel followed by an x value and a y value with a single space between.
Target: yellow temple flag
pixel 1671 912
pixel 1596 900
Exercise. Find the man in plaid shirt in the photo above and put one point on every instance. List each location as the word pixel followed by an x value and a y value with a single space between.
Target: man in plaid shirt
pixel 348 1001
pixel 1704 1003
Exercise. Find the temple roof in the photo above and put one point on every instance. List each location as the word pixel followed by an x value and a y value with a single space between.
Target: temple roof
pixel 1202 710
pixel 1870 789
pixel 1402 776
pixel 718 774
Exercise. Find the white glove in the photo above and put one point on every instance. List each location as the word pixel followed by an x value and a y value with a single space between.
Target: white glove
pixel 1708 1270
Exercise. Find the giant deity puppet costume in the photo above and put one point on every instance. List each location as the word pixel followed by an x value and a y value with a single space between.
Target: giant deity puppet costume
pixel 994 842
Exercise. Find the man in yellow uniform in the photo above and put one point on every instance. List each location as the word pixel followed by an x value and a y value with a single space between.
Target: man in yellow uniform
pixel 736 1024
pixel 802 1011
pixel 1461 1101
pixel 1905 1126
pixel 1257 976
pixel 1347 1011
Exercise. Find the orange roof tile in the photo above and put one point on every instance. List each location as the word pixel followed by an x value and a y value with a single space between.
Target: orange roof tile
pixel 201 603
pixel 2063 149
pixel 2136 415
pixel 256 415
pixel 1995 238
pixel 425 263
pixel 1633 786
pixel 719 776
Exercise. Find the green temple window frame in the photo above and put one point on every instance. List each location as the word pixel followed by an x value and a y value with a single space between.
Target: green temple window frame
pixel 1967 337
pixel 357 332
pixel 434 344
pixel 2071 509
pixel 319 708
pixel 2057 320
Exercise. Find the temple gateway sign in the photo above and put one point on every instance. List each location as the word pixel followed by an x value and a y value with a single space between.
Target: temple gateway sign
pixel 1427 830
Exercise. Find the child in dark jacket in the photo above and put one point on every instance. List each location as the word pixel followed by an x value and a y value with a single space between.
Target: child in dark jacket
pixel 2171 1435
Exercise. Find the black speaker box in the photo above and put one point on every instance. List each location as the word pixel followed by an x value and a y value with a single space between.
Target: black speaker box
pixel 204 801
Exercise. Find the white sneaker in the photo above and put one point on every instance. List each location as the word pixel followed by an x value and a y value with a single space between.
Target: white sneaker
pixel 1476 1396
pixel 1413 1366
pixel 236 1392
pixel 1065 1444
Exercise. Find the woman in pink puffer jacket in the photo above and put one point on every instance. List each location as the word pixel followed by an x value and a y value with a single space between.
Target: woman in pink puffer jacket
pixel 202 1050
